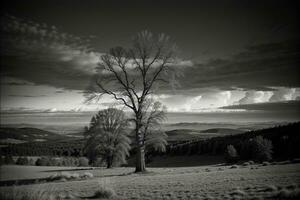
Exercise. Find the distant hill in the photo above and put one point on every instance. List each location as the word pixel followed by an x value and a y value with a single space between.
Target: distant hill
pixel 223 131
pixel 182 135
pixel 23 135
pixel 179 135
pixel 246 126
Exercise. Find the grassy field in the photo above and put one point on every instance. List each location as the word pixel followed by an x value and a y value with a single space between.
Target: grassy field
pixel 202 182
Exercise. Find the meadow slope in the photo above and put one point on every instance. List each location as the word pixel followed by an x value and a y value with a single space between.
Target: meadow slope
pixel 212 181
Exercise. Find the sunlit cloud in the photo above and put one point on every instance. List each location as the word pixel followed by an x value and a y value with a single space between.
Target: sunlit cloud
pixel 255 97
pixel 283 94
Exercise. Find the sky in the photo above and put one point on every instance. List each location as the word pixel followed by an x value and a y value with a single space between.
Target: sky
pixel 233 53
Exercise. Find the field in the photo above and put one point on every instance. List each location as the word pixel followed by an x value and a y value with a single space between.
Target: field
pixel 218 181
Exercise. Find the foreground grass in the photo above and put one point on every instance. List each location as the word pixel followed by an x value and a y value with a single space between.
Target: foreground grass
pixel 253 181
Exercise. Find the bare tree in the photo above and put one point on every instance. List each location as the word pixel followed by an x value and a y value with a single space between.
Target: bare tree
pixel 130 76
pixel 107 136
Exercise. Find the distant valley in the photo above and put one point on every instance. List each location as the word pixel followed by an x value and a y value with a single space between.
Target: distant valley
pixel 23 133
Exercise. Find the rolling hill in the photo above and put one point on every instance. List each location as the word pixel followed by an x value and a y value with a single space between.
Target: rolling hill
pixel 24 135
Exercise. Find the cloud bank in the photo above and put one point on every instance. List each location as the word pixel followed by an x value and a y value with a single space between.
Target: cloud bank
pixel 42 54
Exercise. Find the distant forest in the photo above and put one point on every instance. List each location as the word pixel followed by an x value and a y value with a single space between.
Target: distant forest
pixel 285 140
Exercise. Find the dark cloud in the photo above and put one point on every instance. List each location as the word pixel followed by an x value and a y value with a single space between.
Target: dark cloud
pixel 16 83
pixel 39 53
pixel 259 67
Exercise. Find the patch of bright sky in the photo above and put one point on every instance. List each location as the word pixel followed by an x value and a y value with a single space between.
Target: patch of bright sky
pixel 46 98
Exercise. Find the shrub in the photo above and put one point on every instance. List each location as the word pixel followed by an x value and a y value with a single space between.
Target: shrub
pixel 83 162
pixel 52 162
pixel 69 161
pixel 231 154
pixel 31 161
pixel 47 161
pixel 262 149
pixel 43 161
pixel 8 160
pixel 22 161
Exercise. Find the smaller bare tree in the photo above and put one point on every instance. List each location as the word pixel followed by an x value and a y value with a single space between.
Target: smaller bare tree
pixel 107 137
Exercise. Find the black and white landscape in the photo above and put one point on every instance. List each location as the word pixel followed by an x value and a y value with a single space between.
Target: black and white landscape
pixel 149 100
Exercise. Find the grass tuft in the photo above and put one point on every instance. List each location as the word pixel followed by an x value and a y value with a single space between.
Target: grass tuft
pixel 104 193
pixel 265 163
pixel 238 192
pixel 66 176
pixel 233 167
pixel 271 188
pixel 40 192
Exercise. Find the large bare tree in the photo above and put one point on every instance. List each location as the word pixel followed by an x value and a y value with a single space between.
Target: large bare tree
pixel 131 75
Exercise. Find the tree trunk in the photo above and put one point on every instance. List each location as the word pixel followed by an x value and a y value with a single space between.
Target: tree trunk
pixel 109 162
pixel 140 159
pixel 140 165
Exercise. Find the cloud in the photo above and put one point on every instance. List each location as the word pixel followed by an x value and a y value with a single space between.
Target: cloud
pixel 16 83
pixel 42 54
pixel 257 67
pixel 283 106
pixel 21 110
pixel 51 110
pixel 276 95
pixel 206 100
pixel 17 95
pixel 283 94
pixel 255 97
pixel 15 109
pixel 9 81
